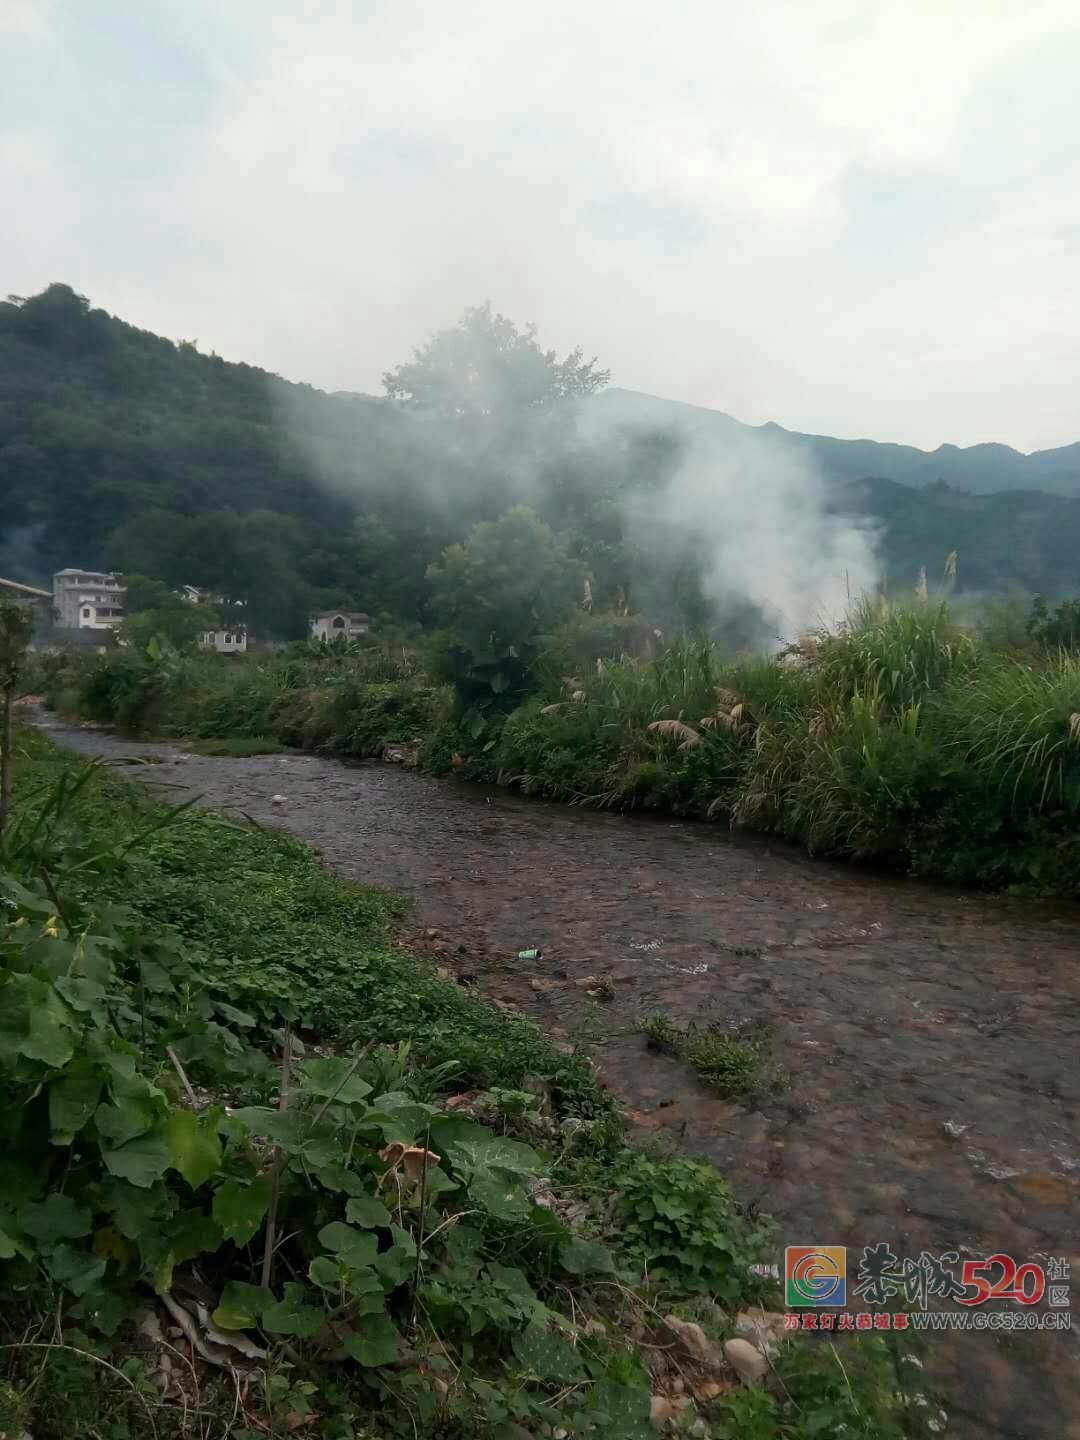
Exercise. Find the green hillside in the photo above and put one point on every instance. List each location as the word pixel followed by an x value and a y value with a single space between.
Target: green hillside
pixel 983 469
pixel 123 450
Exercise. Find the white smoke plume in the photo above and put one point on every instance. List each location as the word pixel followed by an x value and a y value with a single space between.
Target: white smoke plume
pixel 757 506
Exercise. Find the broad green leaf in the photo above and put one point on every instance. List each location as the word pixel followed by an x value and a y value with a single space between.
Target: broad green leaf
pixel 396 1265
pixel 499 1195
pixel 34 1022
pixel 327 1271
pixel 376 1343
pixel 117 1124
pixel 355 1248
pixel 82 994
pixel 287 1128
pixel 155 978
pixel 138 1213
pixel 7 1246
pixel 367 1211
pixel 291 1316
pixel 234 1016
pixel 338 1178
pixel 512 1280
pixel 240 1209
pixel 317 1153
pixel 78 1270
pixel 102 1310
pixel 545 1354
pixel 191 1234
pixel 586 1257
pixel 194 1145
pixel 449 1131
pixel 330 1077
pixel 499 1153
pixel 398 1117
pixel 367 1291
pixel 73 1098
pixel 339 1236
pixel 140 1161
pixel 55 1218
pixel 626 1409
pixel 241 1305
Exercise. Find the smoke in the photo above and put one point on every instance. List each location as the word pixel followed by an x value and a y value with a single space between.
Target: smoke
pixel 718 525
pixel 757 510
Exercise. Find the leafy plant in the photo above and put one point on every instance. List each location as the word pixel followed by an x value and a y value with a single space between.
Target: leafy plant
pixel 678 1222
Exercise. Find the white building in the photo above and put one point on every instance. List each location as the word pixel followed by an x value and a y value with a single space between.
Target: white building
pixel 88 600
pixel 330 624
pixel 225 642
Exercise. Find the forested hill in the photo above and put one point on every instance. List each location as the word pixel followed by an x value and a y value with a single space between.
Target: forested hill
pixel 123 450
pixel 981 469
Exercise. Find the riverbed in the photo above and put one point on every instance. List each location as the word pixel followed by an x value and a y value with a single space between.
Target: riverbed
pixel 929 1040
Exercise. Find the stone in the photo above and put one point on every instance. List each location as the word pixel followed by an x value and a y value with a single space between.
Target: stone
pixel 661 1410
pixel 763 1328
pixel 694 1343
pixel 746 1360
pixel 709 1390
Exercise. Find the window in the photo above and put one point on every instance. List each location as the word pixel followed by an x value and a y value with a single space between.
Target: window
pixel 228 639
pixel 339 622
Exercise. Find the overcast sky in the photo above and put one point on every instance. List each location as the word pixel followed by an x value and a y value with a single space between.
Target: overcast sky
pixel 851 218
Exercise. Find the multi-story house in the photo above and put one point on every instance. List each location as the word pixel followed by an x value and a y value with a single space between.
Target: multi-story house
pixel 87 600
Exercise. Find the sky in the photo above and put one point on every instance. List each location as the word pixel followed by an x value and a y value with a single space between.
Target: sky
pixel 858 219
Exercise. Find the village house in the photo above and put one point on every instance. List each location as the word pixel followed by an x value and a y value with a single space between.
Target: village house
pixel 225 642
pixel 330 624
pixel 87 600
pixel 232 640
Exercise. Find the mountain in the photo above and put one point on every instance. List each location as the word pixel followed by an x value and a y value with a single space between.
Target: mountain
pixel 981 469
pixel 123 450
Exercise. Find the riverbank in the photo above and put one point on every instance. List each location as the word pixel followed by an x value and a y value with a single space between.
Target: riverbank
pixel 903 738
pixel 895 1010
pixel 230 967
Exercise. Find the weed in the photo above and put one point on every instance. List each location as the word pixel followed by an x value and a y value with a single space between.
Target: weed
pixel 729 1060
pixel 237 746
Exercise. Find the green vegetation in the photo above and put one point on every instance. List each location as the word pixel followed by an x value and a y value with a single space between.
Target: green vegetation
pixel 728 1060
pixel 224 1086
pixel 902 737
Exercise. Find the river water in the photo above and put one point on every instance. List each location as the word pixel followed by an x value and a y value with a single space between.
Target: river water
pixel 899 1013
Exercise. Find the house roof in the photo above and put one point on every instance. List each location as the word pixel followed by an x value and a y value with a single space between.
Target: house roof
pixel 30 590
pixel 347 614
pixel 82 570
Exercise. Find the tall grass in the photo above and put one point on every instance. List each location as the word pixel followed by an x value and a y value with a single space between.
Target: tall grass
pixel 1019 722
pixel 901 651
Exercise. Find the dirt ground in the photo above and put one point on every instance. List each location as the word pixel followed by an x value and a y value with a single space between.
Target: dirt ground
pixel 898 1013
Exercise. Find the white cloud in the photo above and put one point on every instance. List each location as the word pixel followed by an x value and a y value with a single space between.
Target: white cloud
pixel 860 220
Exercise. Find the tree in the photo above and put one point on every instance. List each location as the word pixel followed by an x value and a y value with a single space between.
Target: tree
pixel 484 365
pixel 155 610
pixel 497 595
pixel 16 628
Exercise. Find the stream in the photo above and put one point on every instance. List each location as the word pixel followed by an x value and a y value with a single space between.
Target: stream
pixel 929 1039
